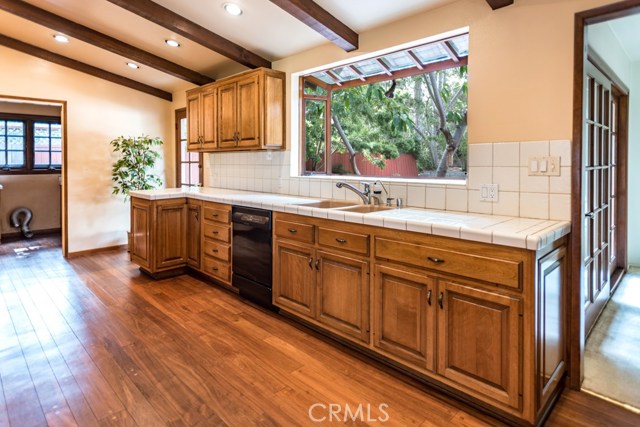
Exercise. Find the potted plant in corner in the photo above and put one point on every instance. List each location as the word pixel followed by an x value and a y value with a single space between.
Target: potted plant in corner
pixel 132 170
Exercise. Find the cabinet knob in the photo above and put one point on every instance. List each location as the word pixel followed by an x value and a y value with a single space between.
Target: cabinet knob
pixel 441 300
pixel 341 241
pixel 293 230
pixel 435 260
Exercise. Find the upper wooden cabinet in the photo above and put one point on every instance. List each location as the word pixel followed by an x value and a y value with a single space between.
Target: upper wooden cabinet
pixel 246 113
pixel 201 118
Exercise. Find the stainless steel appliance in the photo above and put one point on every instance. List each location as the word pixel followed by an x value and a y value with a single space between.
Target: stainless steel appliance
pixel 252 254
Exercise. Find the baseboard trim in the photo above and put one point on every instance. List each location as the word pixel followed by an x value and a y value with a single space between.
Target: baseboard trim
pixel 36 233
pixel 77 254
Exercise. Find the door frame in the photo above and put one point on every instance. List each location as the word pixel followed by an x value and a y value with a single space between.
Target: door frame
pixel 64 208
pixel 576 330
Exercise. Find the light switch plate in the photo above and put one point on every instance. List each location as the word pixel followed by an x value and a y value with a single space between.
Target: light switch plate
pixel 544 166
pixel 489 192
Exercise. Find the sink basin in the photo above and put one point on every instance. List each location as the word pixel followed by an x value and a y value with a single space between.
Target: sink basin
pixel 367 208
pixel 328 204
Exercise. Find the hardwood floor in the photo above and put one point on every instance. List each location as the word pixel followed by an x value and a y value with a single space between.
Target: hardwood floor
pixel 93 342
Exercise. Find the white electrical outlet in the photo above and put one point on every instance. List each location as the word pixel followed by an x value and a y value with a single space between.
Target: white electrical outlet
pixel 489 192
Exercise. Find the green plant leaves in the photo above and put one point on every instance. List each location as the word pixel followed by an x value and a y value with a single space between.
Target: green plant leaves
pixel 136 157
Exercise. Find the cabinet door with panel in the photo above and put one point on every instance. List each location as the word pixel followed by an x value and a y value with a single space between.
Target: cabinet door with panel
pixel 140 249
pixel 294 283
pixel 343 294
pixel 479 341
pixel 248 115
pixel 171 223
pixel 208 100
pixel 194 120
pixel 404 315
pixel 193 233
pixel 227 115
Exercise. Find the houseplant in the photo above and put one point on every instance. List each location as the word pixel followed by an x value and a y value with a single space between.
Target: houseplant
pixel 132 169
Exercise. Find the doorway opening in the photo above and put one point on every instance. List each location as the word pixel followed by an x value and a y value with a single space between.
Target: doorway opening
pixel 602 235
pixel 33 173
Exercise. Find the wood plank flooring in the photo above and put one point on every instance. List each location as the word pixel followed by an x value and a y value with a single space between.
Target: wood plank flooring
pixel 93 342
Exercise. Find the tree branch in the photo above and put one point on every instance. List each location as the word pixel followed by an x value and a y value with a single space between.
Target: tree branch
pixel 347 144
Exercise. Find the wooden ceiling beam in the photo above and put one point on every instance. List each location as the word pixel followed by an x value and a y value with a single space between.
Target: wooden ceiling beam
pixel 497 4
pixel 170 20
pixel 322 21
pixel 82 67
pixel 103 41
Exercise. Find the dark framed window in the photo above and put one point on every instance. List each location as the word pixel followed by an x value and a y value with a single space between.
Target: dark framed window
pixel 402 114
pixel 188 164
pixel 30 144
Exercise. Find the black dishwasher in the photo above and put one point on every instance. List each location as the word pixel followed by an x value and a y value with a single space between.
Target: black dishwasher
pixel 251 259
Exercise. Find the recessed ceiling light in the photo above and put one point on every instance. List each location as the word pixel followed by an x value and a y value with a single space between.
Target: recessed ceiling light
pixel 133 65
pixel 61 38
pixel 233 9
pixel 172 43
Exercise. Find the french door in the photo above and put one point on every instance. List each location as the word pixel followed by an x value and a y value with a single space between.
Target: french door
pixel 599 192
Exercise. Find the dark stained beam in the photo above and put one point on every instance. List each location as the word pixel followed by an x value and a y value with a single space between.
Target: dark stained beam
pixel 82 67
pixel 172 21
pixel 72 29
pixel 322 21
pixel 497 4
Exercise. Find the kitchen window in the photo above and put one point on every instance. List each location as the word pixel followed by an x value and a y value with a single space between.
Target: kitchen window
pixel 402 114
pixel 30 144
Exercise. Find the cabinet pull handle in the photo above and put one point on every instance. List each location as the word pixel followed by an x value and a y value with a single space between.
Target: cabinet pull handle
pixel 214 215
pixel 214 268
pixel 197 215
pixel 215 251
pixel 429 297
pixel 318 264
pixel 293 230
pixel 215 232
pixel 340 240
pixel 311 263
pixel 435 260
pixel 440 300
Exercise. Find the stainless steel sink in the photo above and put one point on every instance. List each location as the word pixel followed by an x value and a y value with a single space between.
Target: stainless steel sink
pixel 329 204
pixel 367 208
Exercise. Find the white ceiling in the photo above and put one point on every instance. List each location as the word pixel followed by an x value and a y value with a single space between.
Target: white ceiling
pixel 627 31
pixel 263 28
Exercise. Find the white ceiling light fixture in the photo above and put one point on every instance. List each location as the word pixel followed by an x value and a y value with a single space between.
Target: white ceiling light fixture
pixel 232 9
pixel 61 38
pixel 172 43
pixel 133 65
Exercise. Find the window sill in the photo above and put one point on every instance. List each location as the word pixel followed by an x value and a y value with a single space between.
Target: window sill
pixel 390 180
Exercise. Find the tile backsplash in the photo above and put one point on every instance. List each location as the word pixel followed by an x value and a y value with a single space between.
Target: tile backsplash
pixel 502 163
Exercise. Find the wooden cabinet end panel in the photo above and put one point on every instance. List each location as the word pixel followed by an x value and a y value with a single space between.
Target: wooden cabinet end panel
pixel 274 112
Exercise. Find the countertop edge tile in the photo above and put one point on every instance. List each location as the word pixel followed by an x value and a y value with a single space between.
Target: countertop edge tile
pixel 519 232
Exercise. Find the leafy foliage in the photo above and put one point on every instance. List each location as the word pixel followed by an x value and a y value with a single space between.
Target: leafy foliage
pixel 136 157
pixel 383 120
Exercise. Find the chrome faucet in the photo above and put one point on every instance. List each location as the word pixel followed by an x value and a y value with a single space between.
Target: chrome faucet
pixel 364 195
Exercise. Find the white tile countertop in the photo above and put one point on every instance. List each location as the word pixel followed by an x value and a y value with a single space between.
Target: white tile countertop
pixel 516 232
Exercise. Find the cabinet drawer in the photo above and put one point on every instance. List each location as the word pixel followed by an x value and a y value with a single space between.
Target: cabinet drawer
pixel 219 250
pixel 294 231
pixel 217 269
pixel 347 241
pixel 501 271
pixel 217 213
pixel 217 231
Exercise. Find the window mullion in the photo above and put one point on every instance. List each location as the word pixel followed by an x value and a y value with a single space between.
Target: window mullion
pixel 327 135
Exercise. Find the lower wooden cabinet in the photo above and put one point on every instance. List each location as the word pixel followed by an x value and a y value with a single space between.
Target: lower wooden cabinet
pixel 194 224
pixel 158 231
pixel 479 341
pixel 456 313
pixel 294 281
pixel 343 294
pixel 404 317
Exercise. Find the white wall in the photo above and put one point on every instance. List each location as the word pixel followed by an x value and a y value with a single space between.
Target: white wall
pixel 634 169
pixel 97 112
